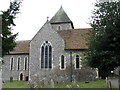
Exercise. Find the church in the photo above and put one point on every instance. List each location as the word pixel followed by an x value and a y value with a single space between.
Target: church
pixel 55 52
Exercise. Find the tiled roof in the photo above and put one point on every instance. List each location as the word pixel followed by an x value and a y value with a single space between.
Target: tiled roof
pixel 75 38
pixel 60 17
pixel 22 47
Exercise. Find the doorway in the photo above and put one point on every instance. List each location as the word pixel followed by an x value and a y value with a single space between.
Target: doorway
pixel 21 76
pixel 26 78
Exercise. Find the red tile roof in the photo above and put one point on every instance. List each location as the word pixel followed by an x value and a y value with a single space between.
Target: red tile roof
pixel 22 47
pixel 75 38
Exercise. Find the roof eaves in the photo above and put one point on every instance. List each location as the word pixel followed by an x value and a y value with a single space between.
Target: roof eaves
pixel 76 49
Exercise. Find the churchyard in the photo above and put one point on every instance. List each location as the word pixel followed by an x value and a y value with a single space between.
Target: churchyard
pixel 51 84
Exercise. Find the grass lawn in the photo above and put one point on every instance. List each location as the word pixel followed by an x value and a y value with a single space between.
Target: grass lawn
pixel 16 84
pixel 23 84
pixel 93 84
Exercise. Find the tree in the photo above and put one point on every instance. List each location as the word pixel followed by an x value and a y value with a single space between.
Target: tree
pixel 104 41
pixel 8 16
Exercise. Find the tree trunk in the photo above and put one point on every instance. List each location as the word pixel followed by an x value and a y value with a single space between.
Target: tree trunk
pixel 103 73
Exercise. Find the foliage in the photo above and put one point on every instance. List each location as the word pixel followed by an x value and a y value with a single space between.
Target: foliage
pixel 104 44
pixel 8 16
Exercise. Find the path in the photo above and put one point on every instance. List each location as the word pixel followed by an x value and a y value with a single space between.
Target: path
pixel 115 82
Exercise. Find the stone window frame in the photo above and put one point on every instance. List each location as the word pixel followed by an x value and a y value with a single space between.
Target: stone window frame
pixel 80 65
pixel 26 63
pixel 12 58
pixel 19 63
pixel 64 62
pixel 44 45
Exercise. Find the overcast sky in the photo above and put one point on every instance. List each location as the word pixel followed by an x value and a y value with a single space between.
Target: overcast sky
pixel 34 14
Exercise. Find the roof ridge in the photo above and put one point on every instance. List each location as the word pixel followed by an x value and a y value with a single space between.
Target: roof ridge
pixel 76 29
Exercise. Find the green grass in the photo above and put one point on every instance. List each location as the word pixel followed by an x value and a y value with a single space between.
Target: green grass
pixel 93 84
pixel 16 84
pixel 96 84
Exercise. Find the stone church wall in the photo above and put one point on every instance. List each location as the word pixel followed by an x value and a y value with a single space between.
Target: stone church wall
pixel 7 73
pixel 64 26
pixel 37 73
pixel 45 34
pixel 82 74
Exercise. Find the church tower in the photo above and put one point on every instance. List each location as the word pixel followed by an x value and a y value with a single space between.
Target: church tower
pixel 61 21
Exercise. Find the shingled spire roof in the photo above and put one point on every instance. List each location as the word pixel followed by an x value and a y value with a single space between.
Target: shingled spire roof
pixel 60 17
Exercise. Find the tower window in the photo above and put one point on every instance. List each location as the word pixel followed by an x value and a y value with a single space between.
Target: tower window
pixel 59 27
pixel 46 55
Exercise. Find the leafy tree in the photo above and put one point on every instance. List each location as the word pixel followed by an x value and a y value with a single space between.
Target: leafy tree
pixel 8 16
pixel 104 42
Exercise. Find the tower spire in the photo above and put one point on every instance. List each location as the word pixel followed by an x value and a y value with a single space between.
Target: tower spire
pixel 61 6
pixel 60 17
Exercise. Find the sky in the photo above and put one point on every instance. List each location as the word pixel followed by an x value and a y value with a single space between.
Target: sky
pixel 33 14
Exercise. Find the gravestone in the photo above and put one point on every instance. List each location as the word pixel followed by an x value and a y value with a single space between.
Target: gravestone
pixel 73 84
pixel 51 83
pixel 106 82
pixel 109 81
pixel 78 86
pixel 11 79
pixel 45 83
pixel 68 87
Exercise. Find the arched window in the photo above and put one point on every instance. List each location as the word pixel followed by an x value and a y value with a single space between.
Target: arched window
pixel 46 55
pixel 62 62
pixel 77 61
pixel 50 57
pixel 25 63
pixel 18 63
pixel 42 57
pixel 11 63
pixel 59 27
pixel 21 76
